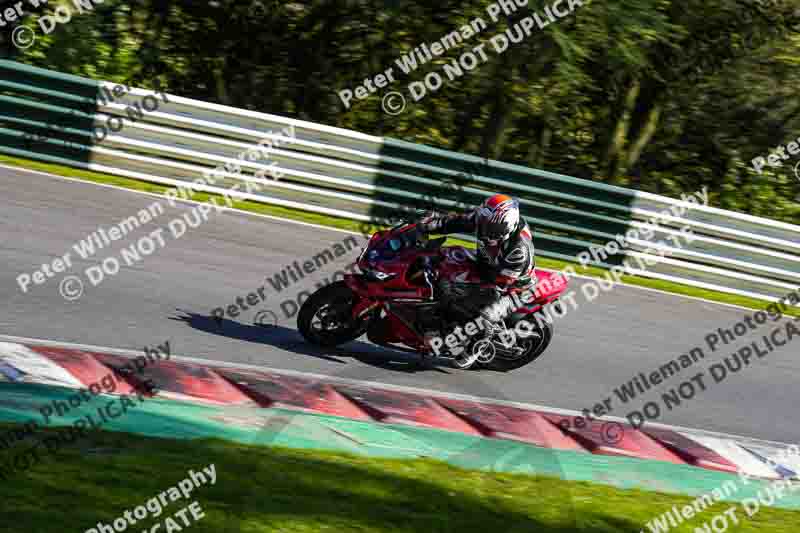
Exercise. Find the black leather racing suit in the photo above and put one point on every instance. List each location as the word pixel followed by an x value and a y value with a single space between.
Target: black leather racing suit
pixel 509 265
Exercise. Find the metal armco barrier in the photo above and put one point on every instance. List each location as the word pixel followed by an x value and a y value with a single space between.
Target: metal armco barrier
pixel 349 174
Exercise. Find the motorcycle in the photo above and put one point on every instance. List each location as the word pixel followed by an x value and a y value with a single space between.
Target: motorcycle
pixel 408 288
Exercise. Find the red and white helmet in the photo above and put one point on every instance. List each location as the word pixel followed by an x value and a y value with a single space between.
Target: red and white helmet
pixel 497 218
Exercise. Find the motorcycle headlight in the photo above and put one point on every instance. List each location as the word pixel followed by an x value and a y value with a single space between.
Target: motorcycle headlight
pixel 377 275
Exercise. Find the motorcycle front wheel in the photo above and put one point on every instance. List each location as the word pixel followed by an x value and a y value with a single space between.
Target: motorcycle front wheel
pixel 325 318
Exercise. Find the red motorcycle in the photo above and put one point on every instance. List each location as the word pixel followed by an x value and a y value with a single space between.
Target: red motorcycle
pixel 408 288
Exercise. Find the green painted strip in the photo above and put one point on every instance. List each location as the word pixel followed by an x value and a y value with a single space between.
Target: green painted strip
pixel 282 427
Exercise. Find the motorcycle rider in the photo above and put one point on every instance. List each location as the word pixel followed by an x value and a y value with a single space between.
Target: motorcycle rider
pixel 505 253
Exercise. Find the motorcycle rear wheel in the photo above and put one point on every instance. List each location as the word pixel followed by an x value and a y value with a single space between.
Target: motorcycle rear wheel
pixel 466 359
pixel 535 347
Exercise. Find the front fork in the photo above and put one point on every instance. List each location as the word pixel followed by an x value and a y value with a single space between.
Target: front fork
pixel 365 304
pixel 364 307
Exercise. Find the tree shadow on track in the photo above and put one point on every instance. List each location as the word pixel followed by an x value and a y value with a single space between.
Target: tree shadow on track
pixel 290 340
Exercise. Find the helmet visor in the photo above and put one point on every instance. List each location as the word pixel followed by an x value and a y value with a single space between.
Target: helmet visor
pixel 491 233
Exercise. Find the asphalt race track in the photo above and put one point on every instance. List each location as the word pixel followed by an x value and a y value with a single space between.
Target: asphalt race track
pixel 170 294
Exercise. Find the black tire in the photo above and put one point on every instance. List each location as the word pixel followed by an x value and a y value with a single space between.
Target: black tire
pixel 546 330
pixel 341 298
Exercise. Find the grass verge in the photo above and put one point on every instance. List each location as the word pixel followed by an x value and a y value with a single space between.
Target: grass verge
pixel 325 220
pixel 263 489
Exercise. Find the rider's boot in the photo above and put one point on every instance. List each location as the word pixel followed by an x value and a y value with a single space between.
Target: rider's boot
pixel 427 355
